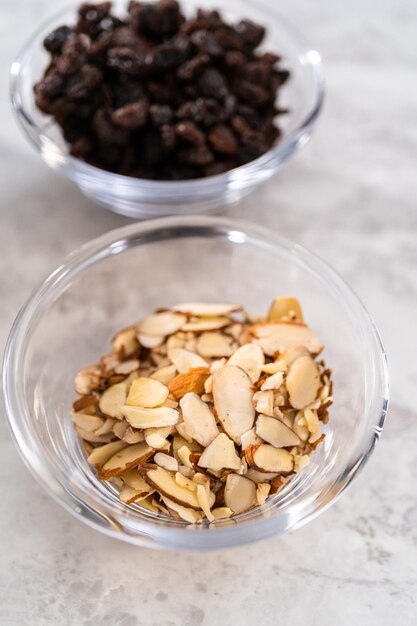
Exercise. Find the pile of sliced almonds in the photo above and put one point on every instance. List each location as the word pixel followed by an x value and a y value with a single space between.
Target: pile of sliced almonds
pixel 200 412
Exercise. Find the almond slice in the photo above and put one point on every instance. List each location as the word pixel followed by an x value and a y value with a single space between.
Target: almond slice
pixel 184 360
pixel 192 381
pixel 165 484
pixel 291 355
pixel 91 436
pixel 125 343
pixel 285 307
pixel 166 461
pixel 139 417
pixel 132 456
pixel 303 382
pixel 87 380
pixel 214 345
pixel 107 426
pixel 157 437
pixel 135 480
pixel 113 399
pixel 276 366
pixel 161 324
pixel 250 438
pixel 311 419
pixel 150 341
pixel 260 477
pixel 262 492
pixel 200 422
pixel 250 358
pixel 120 427
pixel 232 394
pixel 165 374
pixel 127 367
pixel 273 382
pixel 280 336
pixel 86 403
pixel 220 454
pixel 198 325
pixel 128 495
pixel 184 481
pixel 203 499
pixel 147 392
pixel 101 455
pixel 132 435
pixel 239 493
pixel 188 515
pixel 276 432
pixel 206 309
pixel 265 457
pixel 222 512
pixel 264 402
pixel 88 422
pixel 182 431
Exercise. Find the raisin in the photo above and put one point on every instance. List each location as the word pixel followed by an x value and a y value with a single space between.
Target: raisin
pixel 251 33
pixel 200 155
pixel 161 114
pixel 223 140
pixel 190 132
pixel 127 61
pixel 206 43
pixel 54 41
pixel 212 83
pixel 132 115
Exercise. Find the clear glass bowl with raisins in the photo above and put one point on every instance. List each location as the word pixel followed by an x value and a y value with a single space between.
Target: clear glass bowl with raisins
pixel 162 108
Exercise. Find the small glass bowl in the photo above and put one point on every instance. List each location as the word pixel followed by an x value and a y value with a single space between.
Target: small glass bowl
pixel 139 198
pixel 123 275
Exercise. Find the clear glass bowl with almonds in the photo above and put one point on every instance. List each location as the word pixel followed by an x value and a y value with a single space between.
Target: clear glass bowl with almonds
pixel 205 425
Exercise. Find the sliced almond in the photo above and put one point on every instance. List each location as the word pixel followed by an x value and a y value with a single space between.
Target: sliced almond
pixel 265 457
pixel 250 438
pixel 216 365
pixel 291 355
pixel 87 380
pixel 300 461
pixel 120 427
pixel 132 456
pixel 133 435
pixel 88 422
pixel 276 366
pixel 157 437
pixel 188 515
pixel 127 367
pixel 285 308
pixel 206 309
pixel 183 432
pixel 86 404
pixel 276 432
pixel 125 343
pixel 221 512
pixel 113 399
pixel 106 427
pixel 280 336
pixel 220 454
pixel 232 394
pixel 262 492
pixel 303 382
pixel 170 403
pixel 204 502
pixel 135 480
pixel 150 341
pixel 184 360
pixel 199 421
pixel 179 442
pixel 191 381
pixel 264 402
pixel 147 392
pixel 165 374
pixel 184 481
pixel 166 461
pixel 161 324
pixel 273 382
pixel 198 325
pixel 311 419
pixel 164 482
pixel 250 358
pixel 214 345
pixel 239 493
pixel 208 385
pixel 139 417
pixel 260 477
pixel 184 454
pixel 102 454
pixel 91 436
pixel 128 495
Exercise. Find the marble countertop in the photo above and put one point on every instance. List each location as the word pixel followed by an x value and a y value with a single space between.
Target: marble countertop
pixel 351 195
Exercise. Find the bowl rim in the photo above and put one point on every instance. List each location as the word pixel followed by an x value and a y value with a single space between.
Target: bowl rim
pixel 284 146
pixel 147 534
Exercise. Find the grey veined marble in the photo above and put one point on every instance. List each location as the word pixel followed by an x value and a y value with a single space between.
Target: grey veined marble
pixel 352 197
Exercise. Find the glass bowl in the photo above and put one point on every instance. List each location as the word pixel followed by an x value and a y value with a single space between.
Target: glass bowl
pixel 123 275
pixel 139 198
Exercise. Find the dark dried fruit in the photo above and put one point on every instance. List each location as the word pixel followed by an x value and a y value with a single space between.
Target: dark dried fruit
pixel 160 96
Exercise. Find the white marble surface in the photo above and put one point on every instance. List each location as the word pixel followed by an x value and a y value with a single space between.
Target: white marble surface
pixel 351 196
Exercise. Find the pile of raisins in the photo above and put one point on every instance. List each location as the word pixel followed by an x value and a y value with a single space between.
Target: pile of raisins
pixel 159 96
